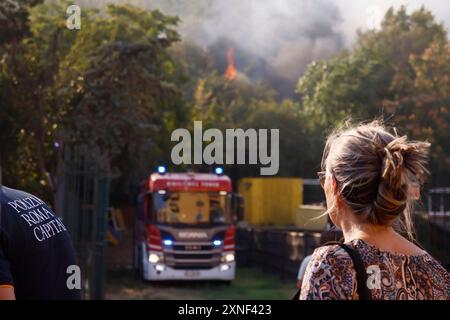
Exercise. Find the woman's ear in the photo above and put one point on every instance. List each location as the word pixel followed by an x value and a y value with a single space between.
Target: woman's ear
pixel 337 195
pixel 334 186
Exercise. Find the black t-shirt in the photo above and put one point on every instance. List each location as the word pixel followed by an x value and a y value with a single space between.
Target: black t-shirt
pixel 35 249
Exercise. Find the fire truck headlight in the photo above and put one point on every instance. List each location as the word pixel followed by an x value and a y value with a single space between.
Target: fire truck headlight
pixel 217 242
pixel 168 242
pixel 218 170
pixel 153 258
pixel 229 257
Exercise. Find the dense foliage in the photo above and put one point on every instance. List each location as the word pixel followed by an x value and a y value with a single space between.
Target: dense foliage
pixel 124 81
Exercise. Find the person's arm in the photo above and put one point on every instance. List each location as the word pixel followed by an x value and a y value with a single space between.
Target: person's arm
pixel 329 275
pixel 6 279
pixel 301 271
pixel 7 292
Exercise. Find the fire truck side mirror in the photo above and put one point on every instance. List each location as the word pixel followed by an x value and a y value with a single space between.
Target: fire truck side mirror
pixel 238 207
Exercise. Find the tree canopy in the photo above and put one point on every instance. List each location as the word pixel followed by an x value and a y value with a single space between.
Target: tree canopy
pixel 398 73
pixel 107 86
pixel 123 82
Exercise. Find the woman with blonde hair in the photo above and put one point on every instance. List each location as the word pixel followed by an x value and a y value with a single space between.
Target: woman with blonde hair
pixel 368 177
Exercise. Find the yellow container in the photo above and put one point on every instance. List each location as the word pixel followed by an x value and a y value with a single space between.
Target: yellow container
pixel 311 217
pixel 271 201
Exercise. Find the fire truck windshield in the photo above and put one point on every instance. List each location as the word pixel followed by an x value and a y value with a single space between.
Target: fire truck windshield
pixel 191 208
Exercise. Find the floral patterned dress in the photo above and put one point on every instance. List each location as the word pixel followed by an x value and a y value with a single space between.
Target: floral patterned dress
pixel 330 275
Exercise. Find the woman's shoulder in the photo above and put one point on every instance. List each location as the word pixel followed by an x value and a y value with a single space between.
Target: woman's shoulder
pixel 330 275
pixel 330 253
pixel 333 260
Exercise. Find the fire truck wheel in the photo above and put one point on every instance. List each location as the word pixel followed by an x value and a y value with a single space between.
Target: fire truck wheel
pixel 139 267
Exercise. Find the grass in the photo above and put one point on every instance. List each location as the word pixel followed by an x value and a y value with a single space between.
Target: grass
pixel 250 284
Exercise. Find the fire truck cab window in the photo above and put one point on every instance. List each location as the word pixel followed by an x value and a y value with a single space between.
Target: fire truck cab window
pixel 190 208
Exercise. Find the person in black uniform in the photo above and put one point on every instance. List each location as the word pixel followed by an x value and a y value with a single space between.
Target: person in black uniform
pixel 36 251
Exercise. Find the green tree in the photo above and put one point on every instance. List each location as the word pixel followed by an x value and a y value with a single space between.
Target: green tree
pixel 378 76
pixel 14 20
pixel 224 103
pixel 424 112
pixel 355 83
pixel 297 147
pixel 108 86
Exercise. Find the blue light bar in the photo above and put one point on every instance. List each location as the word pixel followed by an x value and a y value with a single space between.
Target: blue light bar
pixel 168 242
pixel 218 170
pixel 162 169
pixel 217 242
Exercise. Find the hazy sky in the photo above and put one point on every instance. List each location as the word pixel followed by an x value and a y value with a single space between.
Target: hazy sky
pixel 365 13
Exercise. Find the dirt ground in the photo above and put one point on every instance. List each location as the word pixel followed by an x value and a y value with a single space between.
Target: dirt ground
pixel 249 284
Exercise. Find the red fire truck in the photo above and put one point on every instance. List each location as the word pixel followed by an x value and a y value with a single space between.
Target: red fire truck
pixel 185 226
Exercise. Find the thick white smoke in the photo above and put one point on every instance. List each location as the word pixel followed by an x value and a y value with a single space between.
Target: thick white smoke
pixel 275 40
pixel 285 34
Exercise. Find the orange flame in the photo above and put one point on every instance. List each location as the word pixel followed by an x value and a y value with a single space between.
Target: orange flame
pixel 231 72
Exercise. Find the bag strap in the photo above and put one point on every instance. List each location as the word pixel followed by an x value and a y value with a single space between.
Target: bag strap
pixel 1 196
pixel 361 274
pixel 296 295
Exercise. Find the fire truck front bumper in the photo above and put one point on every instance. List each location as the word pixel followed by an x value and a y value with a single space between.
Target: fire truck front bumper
pixel 157 272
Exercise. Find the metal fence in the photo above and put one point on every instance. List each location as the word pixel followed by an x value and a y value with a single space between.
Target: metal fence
pixel 433 226
pixel 279 250
pixel 84 205
pixel 276 250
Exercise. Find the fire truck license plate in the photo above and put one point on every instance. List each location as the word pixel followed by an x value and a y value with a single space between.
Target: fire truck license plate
pixel 192 274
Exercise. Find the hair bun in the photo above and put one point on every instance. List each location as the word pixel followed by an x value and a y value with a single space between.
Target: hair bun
pixel 402 162
pixel 393 162
pixel 401 155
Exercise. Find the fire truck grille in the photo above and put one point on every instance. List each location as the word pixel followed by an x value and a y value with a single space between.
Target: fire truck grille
pixel 192 256
pixel 192 247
